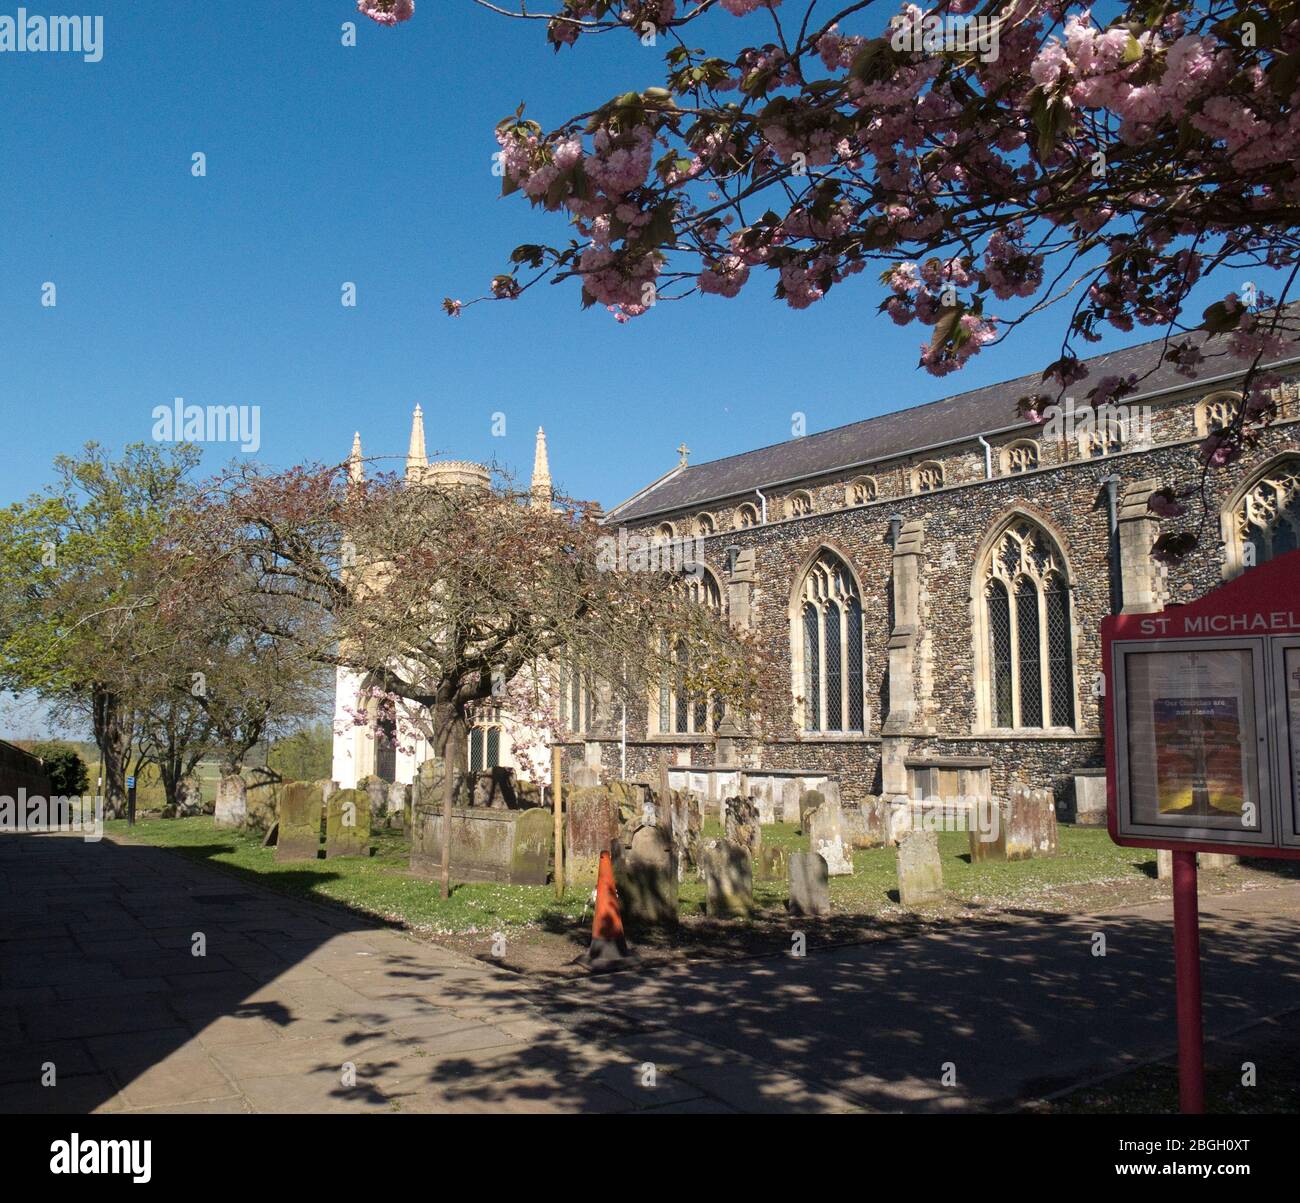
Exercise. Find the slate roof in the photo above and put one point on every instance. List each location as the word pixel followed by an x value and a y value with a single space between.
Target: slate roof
pixel 948 420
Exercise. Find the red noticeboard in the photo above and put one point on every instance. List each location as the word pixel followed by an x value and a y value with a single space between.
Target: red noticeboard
pixel 1202 719
pixel 1202 724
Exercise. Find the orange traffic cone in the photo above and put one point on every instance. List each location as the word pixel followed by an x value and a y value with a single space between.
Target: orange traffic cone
pixel 608 943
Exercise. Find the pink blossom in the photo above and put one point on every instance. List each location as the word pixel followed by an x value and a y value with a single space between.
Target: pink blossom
pixel 387 12
pixel 726 277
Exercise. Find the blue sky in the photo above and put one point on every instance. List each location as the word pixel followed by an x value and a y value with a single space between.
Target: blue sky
pixel 371 164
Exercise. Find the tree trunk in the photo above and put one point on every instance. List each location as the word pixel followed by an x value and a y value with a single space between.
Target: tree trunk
pixel 113 738
pixel 449 741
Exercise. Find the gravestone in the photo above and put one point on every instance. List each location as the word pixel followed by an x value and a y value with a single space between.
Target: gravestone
pixel 686 833
pixel 1216 861
pixel 810 890
pixel 1164 864
pixel 646 878
pixel 866 823
pixel 427 788
pixel 327 788
pixel 399 803
pixel 791 793
pixel 990 844
pixel 1090 798
pixel 189 800
pixel 807 804
pixel 232 802
pixel 510 846
pixel 262 802
pixel 830 790
pixel 347 824
pixel 728 880
pixel 493 789
pixel 826 836
pixel 300 814
pixel 766 807
pixel 920 873
pixel 741 825
pixel 592 824
pixel 1043 809
pixel 771 864
pixel 376 792
pixel 584 777
pixel 1020 823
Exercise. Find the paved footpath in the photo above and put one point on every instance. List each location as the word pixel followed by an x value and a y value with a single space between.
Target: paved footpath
pixel 296 1007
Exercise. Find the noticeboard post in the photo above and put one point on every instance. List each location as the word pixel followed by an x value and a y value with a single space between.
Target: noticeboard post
pixel 1202 722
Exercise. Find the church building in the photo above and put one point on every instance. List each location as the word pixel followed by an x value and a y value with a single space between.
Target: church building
pixel 384 745
pixel 932 581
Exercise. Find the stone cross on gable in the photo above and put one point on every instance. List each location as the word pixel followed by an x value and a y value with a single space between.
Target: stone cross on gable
pixel 684 452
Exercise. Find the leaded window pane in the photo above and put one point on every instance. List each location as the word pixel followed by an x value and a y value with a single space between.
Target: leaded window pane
pixel 683 702
pixel 1060 675
pixel 811 668
pixel 493 747
pixel 834 683
pixel 1000 637
pixel 476 750
pixel 853 653
pixel 1031 678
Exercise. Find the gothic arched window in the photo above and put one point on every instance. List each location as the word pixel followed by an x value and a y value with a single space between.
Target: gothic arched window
pixel 747 515
pixel 1026 631
pixel 927 477
pixel 1216 412
pixel 682 711
pixel 1021 456
pixel 1265 521
pixel 828 637
pixel 860 491
pixel 798 504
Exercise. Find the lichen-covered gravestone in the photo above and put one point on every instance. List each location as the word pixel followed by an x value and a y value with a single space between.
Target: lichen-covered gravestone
pixel 376 791
pixel 866 823
pixel 791 798
pixel 826 836
pixel 647 879
pixel 988 834
pixel 810 890
pixel 347 824
pixel 591 814
pixel 920 874
pixel 399 802
pixel 300 811
pixel 808 803
pixel 232 802
pixel 741 825
pixel 728 881
pixel 771 864
pixel 1044 822
pixel 1020 823
pixel 686 832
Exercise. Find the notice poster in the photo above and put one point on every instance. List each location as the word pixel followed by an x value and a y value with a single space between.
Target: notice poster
pixel 1191 732
pixel 1292 662
pixel 1199 755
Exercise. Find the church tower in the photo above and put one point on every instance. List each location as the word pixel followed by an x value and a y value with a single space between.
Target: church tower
pixel 541 484
pixel 417 461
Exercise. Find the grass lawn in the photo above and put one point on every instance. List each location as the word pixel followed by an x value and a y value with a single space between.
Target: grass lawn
pixel 1089 866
